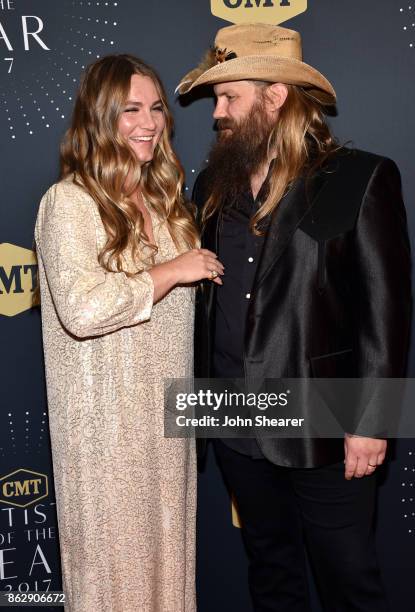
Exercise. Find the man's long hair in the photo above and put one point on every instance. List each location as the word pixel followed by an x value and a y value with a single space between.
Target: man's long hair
pixel 101 162
pixel 301 141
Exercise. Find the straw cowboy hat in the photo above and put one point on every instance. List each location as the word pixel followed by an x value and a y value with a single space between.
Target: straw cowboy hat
pixel 258 52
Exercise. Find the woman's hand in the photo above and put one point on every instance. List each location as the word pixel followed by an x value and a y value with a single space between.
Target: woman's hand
pixel 196 265
pixel 187 268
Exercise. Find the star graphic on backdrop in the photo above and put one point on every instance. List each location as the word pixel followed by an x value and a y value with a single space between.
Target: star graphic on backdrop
pixel 38 100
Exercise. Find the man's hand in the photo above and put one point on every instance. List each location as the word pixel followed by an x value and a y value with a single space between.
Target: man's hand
pixel 362 455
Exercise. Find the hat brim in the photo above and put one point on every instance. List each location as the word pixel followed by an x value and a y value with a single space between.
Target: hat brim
pixel 265 68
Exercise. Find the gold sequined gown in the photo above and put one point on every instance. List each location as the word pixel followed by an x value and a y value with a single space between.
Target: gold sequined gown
pixel 126 495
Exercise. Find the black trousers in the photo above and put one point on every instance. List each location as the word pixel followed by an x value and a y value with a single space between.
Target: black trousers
pixel 281 510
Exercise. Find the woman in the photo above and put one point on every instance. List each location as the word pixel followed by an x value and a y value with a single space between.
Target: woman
pixel 117 257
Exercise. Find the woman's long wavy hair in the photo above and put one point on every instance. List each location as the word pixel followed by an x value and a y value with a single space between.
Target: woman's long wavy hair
pixel 301 142
pixel 101 161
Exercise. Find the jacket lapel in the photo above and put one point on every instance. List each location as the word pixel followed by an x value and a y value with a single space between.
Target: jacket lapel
pixel 285 220
pixel 210 240
pixel 210 233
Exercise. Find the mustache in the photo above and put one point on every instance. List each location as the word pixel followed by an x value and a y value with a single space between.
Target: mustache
pixel 225 124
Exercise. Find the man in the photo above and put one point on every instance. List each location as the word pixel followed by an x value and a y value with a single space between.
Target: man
pixel 317 284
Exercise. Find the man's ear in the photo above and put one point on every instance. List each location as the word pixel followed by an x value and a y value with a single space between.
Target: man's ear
pixel 276 94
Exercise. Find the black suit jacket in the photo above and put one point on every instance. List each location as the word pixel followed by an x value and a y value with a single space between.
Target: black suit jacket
pixel 331 296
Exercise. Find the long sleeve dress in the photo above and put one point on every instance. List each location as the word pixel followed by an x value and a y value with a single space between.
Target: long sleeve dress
pixel 125 495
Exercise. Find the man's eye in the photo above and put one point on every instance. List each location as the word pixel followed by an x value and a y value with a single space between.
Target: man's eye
pixel 230 98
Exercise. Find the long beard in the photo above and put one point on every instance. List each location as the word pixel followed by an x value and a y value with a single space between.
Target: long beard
pixel 238 154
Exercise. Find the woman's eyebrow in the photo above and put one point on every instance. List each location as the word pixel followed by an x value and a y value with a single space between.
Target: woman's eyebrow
pixel 137 103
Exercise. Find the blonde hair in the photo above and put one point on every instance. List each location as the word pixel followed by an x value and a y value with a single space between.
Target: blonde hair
pixel 100 160
pixel 301 142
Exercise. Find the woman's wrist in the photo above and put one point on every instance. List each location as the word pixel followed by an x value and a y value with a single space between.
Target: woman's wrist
pixel 165 277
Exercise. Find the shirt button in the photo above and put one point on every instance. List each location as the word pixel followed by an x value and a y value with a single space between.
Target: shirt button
pixel 248 295
pixel 250 259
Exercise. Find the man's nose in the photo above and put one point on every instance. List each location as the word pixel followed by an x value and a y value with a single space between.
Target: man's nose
pixel 220 111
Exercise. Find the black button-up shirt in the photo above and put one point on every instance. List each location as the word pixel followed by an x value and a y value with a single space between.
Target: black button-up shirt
pixel 239 251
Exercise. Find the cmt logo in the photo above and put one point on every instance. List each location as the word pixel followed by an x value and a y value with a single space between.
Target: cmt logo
pixel 23 488
pixel 257 11
pixel 18 270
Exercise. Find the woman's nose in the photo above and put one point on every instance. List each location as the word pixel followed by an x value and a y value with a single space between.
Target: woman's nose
pixel 147 120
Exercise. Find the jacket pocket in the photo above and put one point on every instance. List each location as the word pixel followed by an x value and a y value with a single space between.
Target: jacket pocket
pixel 333 365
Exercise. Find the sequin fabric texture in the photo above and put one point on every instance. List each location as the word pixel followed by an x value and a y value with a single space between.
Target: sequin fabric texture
pixel 126 496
